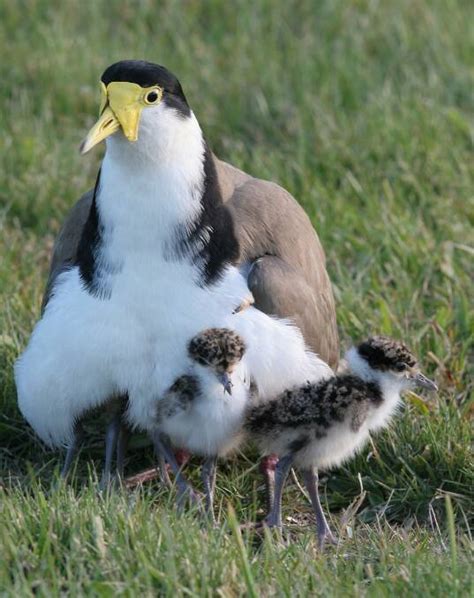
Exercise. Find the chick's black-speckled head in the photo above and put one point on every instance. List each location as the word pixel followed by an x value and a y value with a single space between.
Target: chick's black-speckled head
pixel 218 348
pixel 147 74
pixel 386 354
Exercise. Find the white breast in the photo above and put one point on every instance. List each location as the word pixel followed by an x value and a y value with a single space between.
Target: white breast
pixel 85 349
pixel 212 424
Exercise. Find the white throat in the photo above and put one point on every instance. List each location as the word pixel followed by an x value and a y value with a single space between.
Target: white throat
pixel 150 186
pixel 390 386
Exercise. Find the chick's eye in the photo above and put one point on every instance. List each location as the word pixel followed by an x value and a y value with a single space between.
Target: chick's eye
pixel 152 97
pixel 400 367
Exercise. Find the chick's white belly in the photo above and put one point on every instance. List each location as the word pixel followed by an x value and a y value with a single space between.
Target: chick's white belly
pixel 211 426
pixel 339 445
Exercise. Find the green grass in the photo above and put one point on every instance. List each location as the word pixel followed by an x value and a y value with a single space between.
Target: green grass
pixel 363 110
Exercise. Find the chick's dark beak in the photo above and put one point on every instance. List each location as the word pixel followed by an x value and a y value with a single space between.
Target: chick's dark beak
pixel 226 382
pixel 421 380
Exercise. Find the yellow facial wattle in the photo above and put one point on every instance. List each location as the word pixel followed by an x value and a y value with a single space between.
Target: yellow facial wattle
pixel 121 106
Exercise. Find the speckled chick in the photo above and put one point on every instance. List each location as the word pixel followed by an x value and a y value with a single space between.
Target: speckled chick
pixel 321 425
pixel 203 411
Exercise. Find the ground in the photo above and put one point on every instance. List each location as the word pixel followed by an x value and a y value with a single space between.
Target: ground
pixel 363 110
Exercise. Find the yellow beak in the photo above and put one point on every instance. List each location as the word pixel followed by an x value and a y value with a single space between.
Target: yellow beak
pixel 105 126
pixel 121 106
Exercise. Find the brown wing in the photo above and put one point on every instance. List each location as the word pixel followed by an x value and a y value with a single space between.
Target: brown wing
pixel 288 277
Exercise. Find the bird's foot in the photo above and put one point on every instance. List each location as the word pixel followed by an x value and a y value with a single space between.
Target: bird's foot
pixel 251 525
pixel 271 521
pixel 246 303
pixel 110 481
pixel 259 526
pixel 325 536
pixel 59 483
pixel 191 496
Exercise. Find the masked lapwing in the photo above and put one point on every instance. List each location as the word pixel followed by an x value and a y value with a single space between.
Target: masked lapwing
pixel 169 242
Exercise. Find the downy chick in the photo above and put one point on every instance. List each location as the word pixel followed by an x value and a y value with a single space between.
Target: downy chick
pixel 203 411
pixel 321 425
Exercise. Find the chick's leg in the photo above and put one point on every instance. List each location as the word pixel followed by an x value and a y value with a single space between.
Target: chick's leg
pixel 209 480
pixel 162 465
pixel 311 479
pixel 267 467
pixel 273 519
pixel 185 490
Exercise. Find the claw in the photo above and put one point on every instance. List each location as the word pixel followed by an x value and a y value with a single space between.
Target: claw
pixel 246 303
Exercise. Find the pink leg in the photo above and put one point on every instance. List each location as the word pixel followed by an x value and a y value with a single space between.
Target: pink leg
pixel 182 456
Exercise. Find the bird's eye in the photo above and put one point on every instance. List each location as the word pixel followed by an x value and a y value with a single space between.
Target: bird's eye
pixel 152 97
pixel 400 367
